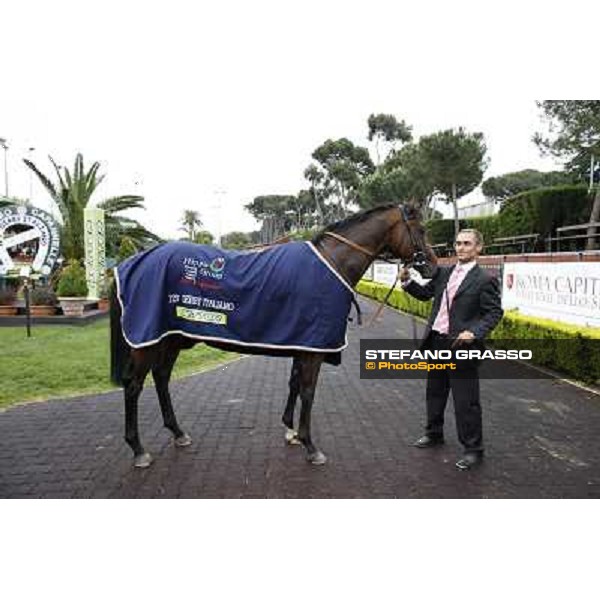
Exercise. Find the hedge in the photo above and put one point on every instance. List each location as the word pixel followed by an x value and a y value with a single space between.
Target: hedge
pixel 536 211
pixel 568 349
pixel 398 299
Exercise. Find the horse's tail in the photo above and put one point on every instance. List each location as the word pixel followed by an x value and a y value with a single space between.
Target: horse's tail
pixel 119 349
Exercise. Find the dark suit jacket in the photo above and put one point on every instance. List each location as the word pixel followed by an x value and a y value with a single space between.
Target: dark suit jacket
pixel 476 306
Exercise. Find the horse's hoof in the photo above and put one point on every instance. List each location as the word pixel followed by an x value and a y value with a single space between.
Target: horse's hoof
pixel 316 458
pixel 183 440
pixel 291 437
pixel 142 461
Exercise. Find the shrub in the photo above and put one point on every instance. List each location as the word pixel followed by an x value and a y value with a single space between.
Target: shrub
pixel 537 211
pixel 72 281
pixel 567 348
pixel 8 296
pixel 42 295
pixel 399 299
pixel 544 209
pixel 126 249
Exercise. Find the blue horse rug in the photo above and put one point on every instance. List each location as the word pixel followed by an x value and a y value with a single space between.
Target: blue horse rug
pixel 284 298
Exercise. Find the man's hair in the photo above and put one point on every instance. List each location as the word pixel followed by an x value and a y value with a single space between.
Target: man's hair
pixel 476 234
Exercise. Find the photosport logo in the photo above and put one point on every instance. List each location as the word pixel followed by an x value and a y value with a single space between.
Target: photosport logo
pixel 404 359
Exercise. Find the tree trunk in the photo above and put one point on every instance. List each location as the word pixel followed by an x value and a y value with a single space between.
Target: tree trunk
pixel 592 243
pixel 456 223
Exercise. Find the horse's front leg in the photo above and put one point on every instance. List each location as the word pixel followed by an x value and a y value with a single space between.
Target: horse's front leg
pixel 162 374
pixel 291 435
pixel 309 373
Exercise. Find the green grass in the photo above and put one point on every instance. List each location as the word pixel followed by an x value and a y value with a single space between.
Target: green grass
pixel 62 361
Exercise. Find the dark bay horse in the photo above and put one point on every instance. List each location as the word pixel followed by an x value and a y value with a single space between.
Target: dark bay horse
pixel 349 246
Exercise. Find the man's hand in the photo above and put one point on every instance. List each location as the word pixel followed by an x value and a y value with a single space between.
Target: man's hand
pixel 404 274
pixel 464 337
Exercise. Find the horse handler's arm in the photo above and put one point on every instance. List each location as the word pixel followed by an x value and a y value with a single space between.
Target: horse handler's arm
pixel 490 308
pixel 420 292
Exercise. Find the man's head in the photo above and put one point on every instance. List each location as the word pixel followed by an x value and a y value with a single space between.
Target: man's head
pixel 468 245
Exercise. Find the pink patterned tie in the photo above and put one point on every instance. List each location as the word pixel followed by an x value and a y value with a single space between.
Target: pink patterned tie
pixel 442 321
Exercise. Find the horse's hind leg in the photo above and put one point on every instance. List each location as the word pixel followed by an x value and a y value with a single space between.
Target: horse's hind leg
pixel 291 436
pixel 133 385
pixel 162 374
pixel 309 373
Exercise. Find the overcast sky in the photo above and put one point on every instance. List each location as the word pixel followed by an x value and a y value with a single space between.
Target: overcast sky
pixel 205 107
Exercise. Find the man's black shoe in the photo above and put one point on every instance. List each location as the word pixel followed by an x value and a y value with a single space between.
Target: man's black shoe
pixel 469 460
pixel 428 441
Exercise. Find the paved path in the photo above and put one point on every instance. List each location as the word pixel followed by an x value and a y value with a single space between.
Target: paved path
pixel 541 436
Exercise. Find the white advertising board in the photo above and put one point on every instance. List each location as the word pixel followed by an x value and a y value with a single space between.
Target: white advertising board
pixel 385 273
pixel 567 292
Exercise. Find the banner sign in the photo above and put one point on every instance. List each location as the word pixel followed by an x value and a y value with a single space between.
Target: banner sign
pixel 567 292
pixel 385 273
pixel 95 250
pixel 29 237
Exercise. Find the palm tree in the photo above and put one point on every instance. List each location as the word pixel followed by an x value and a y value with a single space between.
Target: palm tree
pixel 72 194
pixel 190 220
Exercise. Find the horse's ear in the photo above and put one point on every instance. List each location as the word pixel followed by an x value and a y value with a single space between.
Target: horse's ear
pixel 411 209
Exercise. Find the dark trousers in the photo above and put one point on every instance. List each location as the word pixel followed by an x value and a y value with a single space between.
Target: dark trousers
pixel 464 384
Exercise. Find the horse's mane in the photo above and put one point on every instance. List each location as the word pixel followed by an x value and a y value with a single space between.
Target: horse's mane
pixel 355 219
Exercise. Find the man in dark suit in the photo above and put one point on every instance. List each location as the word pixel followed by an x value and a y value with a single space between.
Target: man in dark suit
pixel 466 307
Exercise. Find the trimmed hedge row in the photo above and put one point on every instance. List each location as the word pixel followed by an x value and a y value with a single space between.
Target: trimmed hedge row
pixel 536 211
pixel 399 299
pixel 568 349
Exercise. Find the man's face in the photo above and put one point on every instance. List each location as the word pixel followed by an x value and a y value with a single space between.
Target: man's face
pixel 466 247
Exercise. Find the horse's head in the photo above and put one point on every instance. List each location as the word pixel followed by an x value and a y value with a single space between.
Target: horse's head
pixel 406 240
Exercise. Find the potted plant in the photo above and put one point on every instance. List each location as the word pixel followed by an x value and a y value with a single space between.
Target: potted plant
pixel 8 298
pixel 72 289
pixel 42 301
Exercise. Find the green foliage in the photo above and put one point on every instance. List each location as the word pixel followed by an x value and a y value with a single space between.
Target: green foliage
pixel 505 186
pixel 190 221
pixel 383 187
pixel 404 176
pixel 235 240
pixel 281 215
pixel 399 299
pixel 42 295
pixel 72 194
pixel 537 211
pixel 456 159
pixel 543 210
pixel 441 231
pixel 204 237
pixel 573 128
pixel 567 348
pixel 263 207
pixel 386 128
pixel 343 166
pixel 303 234
pixel 72 281
pixel 574 134
pixel 11 200
pixel 126 249
pixel 8 296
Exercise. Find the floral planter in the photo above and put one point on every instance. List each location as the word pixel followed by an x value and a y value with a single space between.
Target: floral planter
pixel 72 307
pixel 8 311
pixel 42 310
